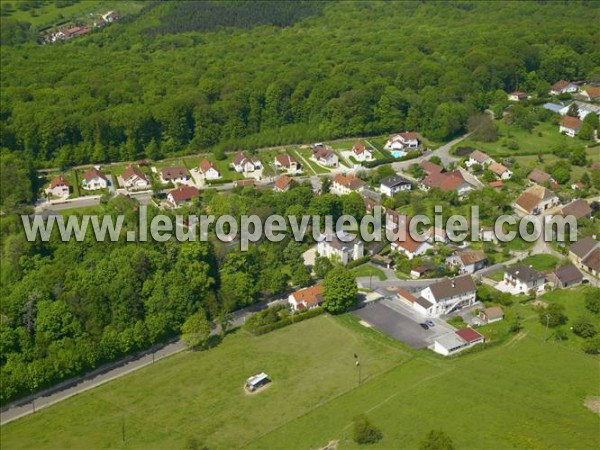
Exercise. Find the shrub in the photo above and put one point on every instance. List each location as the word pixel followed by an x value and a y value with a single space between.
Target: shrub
pixel 584 327
pixel 365 432
pixel 592 346
pixel 436 440
pixel 358 262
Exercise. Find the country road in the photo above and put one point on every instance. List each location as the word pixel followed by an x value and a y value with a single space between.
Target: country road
pixel 109 372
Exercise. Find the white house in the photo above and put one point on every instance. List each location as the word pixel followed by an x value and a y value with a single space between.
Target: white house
pixel 402 141
pixel 344 184
pixel 93 179
pixel 517 96
pixel 569 125
pixel 362 153
pixel 411 248
pixel 337 247
pixel 520 279
pixel 242 163
pixel 208 170
pixel 467 262
pixel 134 178
pixel 307 298
pixel 59 187
pixel 535 200
pixel 182 194
pixel 500 171
pixel 176 174
pixel 287 162
pixel 449 295
pixel 480 158
pixel 391 185
pixel 324 156
pixel 563 87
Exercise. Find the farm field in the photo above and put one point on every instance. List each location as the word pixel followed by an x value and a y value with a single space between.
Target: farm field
pixel 200 395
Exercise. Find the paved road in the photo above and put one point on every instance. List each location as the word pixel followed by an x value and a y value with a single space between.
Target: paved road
pixel 107 373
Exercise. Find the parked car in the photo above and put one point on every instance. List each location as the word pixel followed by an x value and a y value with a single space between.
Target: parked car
pixel 430 323
pixel 424 326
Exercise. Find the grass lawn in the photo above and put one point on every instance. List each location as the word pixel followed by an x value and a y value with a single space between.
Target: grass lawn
pixel 303 156
pixel 573 300
pixel 523 393
pixel 498 275
pixel 541 262
pixel 366 270
pixel 529 143
pixel 201 394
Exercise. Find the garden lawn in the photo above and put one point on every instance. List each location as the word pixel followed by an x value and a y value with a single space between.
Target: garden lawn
pixel 541 262
pixel 366 270
pixel 201 394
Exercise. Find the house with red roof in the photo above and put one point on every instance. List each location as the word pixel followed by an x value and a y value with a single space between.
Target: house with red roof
pixel 208 170
pixel 324 156
pixel 591 94
pixel 447 182
pixel 477 157
pixel 93 180
pixel 283 183
pixel 133 177
pixel 563 87
pixel 362 153
pixel 59 187
pixel 411 247
pixel 569 125
pixel 345 184
pixel 182 195
pixel 243 163
pixel 307 298
pixel 518 96
pixel 287 162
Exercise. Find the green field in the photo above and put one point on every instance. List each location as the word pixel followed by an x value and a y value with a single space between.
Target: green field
pixel 529 143
pixel 521 393
pixel 313 167
pixel 367 270
pixel 543 262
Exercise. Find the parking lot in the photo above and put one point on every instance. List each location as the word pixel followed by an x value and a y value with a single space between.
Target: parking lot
pixel 398 321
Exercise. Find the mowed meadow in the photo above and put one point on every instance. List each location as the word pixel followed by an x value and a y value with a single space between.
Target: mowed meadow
pixel 523 393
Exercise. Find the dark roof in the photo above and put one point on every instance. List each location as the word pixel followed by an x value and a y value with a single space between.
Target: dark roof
pixel 524 273
pixel 592 260
pixel 171 173
pixel 568 273
pixel 584 246
pixel 578 208
pixel 394 180
pixel 424 302
pixel 539 176
pixel 468 258
pixel 448 288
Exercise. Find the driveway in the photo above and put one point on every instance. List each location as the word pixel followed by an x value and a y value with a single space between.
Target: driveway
pixel 394 319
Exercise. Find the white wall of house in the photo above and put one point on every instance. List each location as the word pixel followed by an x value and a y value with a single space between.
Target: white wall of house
pixel 441 305
pixel 95 183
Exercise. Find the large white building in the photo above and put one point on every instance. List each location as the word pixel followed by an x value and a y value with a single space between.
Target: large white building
pixel 337 248
pixel 449 295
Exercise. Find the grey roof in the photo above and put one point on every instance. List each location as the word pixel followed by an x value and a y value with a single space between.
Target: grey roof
pixel 493 312
pixel 450 341
pixel 553 107
pixel 584 246
pixel 568 273
pixel 394 180
pixel 448 288
pixel 524 273
pixel 370 194
pixel 424 302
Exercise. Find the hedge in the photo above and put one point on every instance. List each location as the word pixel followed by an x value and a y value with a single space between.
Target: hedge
pixel 358 262
pixel 293 318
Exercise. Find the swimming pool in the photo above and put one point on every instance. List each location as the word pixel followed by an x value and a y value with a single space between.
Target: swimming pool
pixel 398 153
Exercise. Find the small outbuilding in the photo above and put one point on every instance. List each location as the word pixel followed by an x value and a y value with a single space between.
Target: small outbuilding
pixel 491 315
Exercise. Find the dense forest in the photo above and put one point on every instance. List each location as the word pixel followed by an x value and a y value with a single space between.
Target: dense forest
pixel 182 78
pixel 347 69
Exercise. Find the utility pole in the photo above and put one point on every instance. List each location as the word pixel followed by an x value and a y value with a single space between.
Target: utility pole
pixel 357 364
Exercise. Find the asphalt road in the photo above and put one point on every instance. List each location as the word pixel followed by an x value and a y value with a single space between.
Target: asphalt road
pixel 107 373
